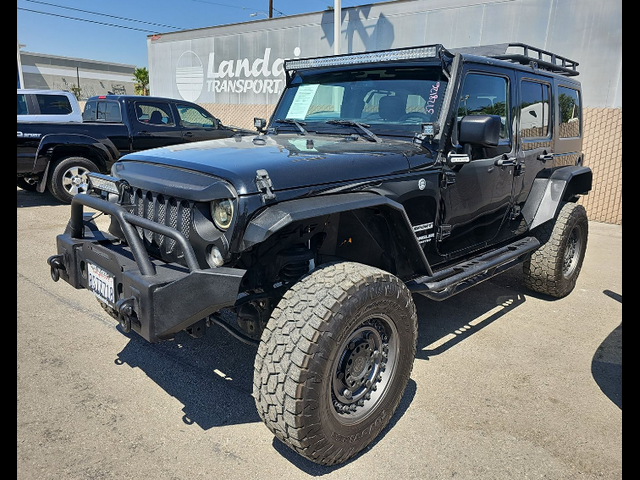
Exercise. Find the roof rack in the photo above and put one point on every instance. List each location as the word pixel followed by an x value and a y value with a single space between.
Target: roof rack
pixel 526 55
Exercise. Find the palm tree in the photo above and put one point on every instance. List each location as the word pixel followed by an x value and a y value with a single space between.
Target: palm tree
pixel 141 77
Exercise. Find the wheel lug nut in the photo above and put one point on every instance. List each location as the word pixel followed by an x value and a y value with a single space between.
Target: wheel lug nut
pixel 347 393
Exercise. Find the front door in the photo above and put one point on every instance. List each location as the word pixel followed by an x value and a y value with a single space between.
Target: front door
pixel 477 196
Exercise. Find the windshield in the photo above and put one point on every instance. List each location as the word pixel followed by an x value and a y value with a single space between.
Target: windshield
pixel 394 100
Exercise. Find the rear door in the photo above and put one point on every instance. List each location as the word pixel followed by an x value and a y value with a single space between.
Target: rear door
pixel 154 125
pixel 535 131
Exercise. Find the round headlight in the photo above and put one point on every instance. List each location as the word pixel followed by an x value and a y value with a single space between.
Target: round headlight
pixel 222 213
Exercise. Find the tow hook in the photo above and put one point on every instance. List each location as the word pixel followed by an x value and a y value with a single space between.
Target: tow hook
pixel 124 308
pixel 56 264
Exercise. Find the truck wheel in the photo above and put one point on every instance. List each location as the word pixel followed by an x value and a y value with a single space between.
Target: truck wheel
pixel 553 269
pixel 69 177
pixel 335 359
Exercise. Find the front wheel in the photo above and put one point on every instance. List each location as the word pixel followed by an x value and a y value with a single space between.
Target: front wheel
pixel 335 359
pixel 69 177
pixel 553 269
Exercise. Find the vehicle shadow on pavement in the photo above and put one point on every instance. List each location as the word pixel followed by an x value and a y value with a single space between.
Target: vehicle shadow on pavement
pixel 25 198
pixel 442 325
pixel 606 364
pixel 211 376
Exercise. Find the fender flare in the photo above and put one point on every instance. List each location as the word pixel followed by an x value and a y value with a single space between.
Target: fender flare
pixel 547 194
pixel 104 149
pixel 276 217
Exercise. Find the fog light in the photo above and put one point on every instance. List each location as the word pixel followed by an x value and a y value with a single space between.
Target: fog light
pixel 214 257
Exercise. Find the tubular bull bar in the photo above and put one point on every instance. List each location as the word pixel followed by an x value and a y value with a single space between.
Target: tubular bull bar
pixel 153 298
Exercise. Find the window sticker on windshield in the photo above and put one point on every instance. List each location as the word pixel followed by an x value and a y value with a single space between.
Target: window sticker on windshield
pixel 300 105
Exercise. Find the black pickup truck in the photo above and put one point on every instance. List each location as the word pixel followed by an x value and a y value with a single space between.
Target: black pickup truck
pixel 57 156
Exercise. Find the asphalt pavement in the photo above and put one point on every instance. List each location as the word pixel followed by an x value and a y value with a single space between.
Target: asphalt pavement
pixel 507 384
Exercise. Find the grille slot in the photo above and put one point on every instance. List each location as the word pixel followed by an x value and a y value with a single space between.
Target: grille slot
pixel 169 211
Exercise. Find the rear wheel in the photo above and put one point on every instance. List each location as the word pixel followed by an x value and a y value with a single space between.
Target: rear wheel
pixel 553 269
pixel 69 177
pixel 335 359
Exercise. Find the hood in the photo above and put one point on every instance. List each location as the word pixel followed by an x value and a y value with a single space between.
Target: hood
pixel 292 161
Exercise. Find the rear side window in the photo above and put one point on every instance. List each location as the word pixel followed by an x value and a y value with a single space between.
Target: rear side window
pixel 534 109
pixel 154 113
pixel 54 104
pixel 569 102
pixel 22 104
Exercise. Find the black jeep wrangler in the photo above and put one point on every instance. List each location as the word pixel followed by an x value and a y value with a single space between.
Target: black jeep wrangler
pixel 380 175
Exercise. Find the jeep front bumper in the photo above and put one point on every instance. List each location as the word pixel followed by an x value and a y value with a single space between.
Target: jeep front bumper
pixel 153 298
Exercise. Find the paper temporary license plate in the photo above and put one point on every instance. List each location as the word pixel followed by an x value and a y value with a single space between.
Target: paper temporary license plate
pixel 101 283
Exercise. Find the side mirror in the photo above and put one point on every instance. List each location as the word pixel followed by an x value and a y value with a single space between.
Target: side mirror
pixel 260 124
pixel 480 130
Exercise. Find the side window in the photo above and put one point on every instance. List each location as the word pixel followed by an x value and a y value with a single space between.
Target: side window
pixel 54 104
pixel 484 94
pixel 534 109
pixel 569 101
pixel 108 112
pixel 154 113
pixel 191 117
pixel 22 104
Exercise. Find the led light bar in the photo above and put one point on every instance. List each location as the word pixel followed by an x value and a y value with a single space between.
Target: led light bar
pixel 103 182
pixel 358 58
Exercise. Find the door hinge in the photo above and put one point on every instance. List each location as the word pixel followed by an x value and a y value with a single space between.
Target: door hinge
pixel 448 178
pixel 264 185
pixel 443 232
pixel 515 212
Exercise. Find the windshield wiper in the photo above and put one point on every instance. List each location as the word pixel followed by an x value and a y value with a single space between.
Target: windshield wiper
pixel 291 121
pixel 361 126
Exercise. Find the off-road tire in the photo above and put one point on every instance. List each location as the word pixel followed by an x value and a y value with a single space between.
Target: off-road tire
pixel 553 268
pixel 341 319
pixel 68 177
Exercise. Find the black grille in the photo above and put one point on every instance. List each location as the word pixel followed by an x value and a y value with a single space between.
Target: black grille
pixel 170 211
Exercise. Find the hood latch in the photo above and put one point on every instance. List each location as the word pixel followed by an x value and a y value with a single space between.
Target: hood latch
pixel 264 185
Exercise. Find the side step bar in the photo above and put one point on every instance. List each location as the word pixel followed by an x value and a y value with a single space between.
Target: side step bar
pixel 451 280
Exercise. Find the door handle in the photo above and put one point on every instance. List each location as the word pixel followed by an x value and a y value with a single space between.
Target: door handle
pixel 506 161
pixel 188 134
pixel 545 157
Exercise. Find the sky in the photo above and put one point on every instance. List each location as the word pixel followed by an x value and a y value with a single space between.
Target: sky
pixel 116 30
